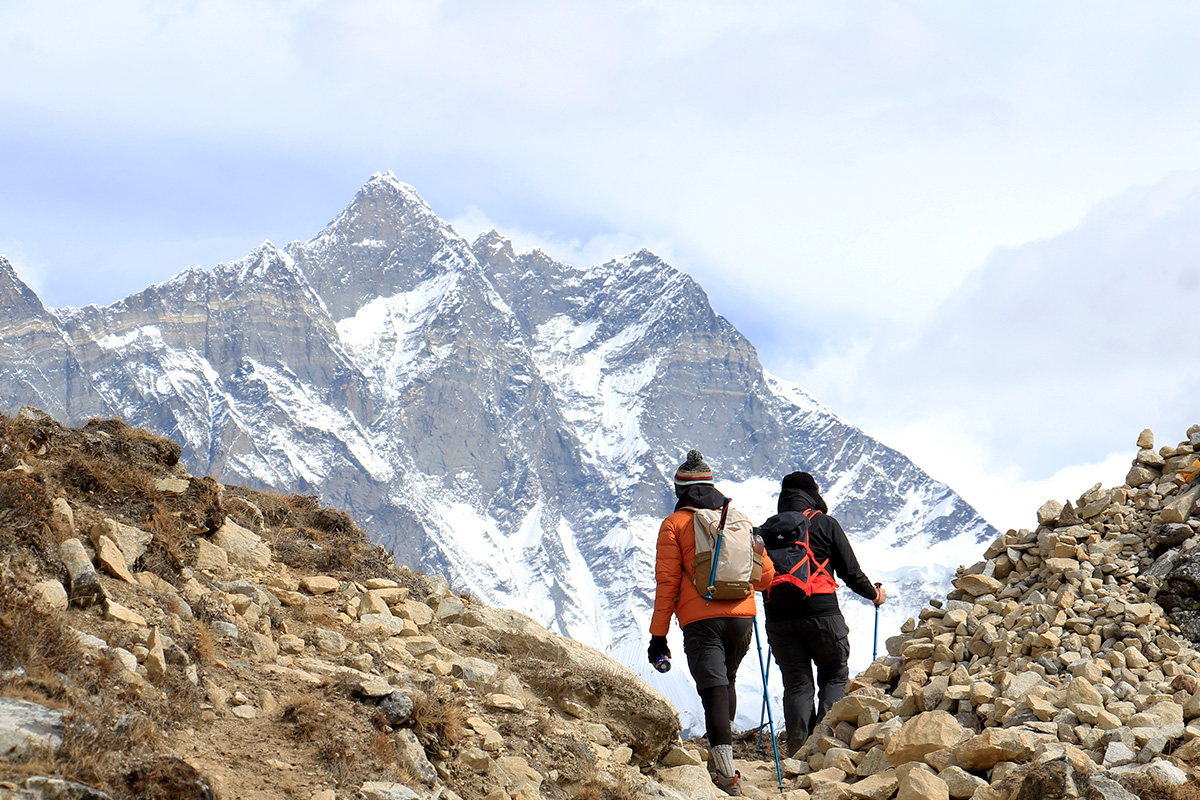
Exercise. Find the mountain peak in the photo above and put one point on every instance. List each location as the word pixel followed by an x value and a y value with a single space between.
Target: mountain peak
pixel 492 245
pixel 388 182
pixel 386 241
pixel 383 212
pixel 15 294
pixel 257 263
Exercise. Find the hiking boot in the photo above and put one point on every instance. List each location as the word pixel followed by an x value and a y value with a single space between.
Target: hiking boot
pixel 729 784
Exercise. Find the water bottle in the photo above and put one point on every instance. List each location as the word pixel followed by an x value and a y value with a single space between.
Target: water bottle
pixel 663 663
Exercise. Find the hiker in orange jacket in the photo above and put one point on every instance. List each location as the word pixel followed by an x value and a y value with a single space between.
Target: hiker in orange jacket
pixel 716 634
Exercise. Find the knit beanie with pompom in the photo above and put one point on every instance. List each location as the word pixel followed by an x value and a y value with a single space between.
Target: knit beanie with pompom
pixel 693 472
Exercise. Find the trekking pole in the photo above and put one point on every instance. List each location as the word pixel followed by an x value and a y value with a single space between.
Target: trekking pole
pixel 762 715
pixel 774 743
pixel 875 645
pixel 712 576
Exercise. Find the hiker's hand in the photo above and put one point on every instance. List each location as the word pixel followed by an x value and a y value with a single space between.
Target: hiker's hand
pixel 880 595
pixel 658 647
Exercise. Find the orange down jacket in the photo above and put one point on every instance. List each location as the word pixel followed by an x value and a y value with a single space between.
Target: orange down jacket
pixel 675 593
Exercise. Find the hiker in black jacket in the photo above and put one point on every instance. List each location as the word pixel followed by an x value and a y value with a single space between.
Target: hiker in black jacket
pixel 806 628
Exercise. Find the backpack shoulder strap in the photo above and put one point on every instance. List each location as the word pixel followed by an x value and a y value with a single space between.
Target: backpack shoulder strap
pixel 818 566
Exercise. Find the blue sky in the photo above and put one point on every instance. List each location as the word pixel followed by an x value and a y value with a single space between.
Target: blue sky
pixel 966 228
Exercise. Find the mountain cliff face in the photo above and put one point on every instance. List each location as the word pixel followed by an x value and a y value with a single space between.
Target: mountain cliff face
pixel 500 417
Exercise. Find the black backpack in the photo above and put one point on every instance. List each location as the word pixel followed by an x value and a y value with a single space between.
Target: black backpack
pixel 798 574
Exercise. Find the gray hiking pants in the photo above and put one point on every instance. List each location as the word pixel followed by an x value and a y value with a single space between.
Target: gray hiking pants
pixel 715 647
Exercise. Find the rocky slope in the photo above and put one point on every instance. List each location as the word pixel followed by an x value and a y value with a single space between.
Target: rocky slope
pixel 163 635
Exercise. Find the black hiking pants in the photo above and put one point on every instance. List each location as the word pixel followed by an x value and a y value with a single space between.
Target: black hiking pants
pixel 714 648
pixel 799 645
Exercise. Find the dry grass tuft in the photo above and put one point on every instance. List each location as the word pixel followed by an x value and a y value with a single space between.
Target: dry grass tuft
pixel 97 739
pixel 382 747
pixel 115 480
pixel 36 639
pixel 310 538
pixel 23 512
pixel 168 779
pixel 439 721
pixel 379 721
pixel 627 788
pixel 592 790
pixel 307 715
pixel 204 648
pixel 114 440
pixel 202 509
pixel 1145 786
pixel 172 546
pixel 244 512
pixel 339 754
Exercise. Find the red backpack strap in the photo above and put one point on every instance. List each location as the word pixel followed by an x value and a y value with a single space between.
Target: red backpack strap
pixel 818 567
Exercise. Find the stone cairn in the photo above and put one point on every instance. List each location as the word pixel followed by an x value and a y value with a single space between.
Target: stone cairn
pixel 1050 670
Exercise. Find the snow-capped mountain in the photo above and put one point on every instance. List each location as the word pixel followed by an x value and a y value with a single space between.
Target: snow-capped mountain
pixel 503 418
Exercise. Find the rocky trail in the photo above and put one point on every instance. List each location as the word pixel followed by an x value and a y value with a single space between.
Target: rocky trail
pixel 164 636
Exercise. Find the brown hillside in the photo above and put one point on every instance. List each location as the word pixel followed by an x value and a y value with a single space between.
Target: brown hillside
pixel 240 644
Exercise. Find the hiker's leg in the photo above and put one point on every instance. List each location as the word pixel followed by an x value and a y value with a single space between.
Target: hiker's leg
pixel 737 636
pixel 706 661
pixel 716 715
pixel 832 657
pixel 788 645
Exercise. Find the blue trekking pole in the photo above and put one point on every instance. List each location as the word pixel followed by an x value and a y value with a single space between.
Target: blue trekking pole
pixel 774 743
pixel 875 645
pixel 762 714
pixel 712 577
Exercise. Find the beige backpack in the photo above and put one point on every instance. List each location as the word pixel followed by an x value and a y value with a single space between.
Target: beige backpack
pixel 730 535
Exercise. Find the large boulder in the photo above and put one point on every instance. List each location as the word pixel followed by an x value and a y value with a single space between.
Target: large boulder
pixel 994 745
pixel 923 734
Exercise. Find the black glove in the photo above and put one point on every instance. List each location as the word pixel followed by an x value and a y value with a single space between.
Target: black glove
pixel 658 647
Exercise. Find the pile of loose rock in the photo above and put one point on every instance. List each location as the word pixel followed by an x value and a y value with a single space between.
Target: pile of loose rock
pixel 1049 666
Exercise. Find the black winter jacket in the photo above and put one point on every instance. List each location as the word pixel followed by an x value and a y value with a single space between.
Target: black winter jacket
pixel 827 540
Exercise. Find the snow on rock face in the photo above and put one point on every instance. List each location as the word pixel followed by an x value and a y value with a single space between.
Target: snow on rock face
pixel 502 417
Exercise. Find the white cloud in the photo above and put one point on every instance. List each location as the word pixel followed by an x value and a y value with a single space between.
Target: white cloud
pixel 1046 362
pixel 946 445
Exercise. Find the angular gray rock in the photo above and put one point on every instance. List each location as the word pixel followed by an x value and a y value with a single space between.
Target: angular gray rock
pixel 85 586
pixel 27 728
pixel 412 757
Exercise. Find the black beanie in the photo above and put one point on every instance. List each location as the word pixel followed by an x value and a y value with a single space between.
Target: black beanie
pixel 807 484
pixel 800 480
